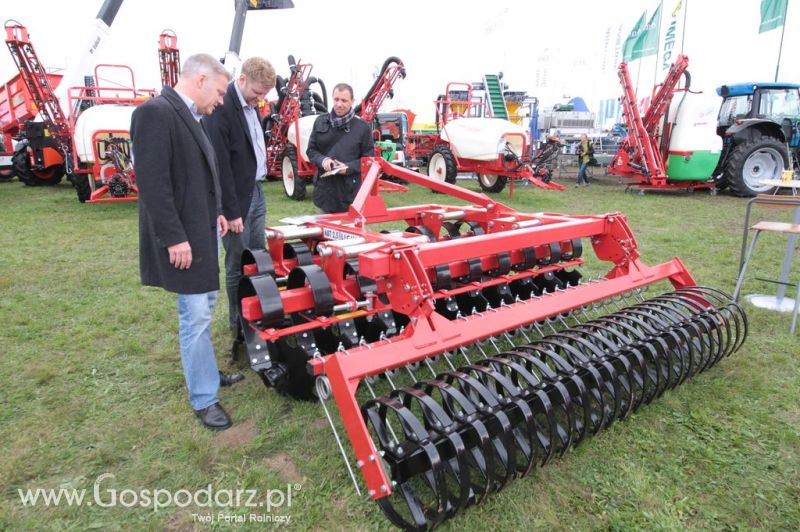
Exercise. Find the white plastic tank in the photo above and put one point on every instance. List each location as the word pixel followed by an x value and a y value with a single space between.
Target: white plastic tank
pixel 100 118
pixel 694 147
pixel 483 139
pixel 306 125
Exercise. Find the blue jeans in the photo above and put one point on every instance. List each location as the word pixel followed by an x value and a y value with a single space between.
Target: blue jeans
pixel 251 237
pixel 256 222
pixel 197 352
pixel 582 173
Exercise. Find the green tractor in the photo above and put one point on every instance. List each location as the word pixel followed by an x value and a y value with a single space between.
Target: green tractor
pixel 758 123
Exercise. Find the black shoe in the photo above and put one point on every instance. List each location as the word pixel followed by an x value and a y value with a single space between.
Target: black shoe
pixel 229 379
pixel 214 417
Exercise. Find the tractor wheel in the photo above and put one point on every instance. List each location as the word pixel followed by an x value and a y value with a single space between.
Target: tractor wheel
pixel 442 165
pixel 720 181
pixel 34 178
pixel 293 184
pixel 19 162
pixel 491 182
pixel 754 161
pixel 7 174
pixel 82 186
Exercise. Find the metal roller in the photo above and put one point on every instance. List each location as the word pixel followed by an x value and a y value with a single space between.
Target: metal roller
pixel 482 425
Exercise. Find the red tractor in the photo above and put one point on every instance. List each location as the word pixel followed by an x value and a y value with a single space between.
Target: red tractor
pixel 469 140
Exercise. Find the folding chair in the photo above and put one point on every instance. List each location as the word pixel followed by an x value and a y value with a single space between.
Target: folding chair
pixel 790 229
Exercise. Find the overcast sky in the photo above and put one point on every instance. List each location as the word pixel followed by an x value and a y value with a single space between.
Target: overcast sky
pixel 550 49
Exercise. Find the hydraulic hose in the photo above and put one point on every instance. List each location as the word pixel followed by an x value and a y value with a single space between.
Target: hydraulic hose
pixel 386 64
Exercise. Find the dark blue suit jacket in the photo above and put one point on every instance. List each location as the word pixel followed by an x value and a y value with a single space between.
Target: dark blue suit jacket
pixel 230 136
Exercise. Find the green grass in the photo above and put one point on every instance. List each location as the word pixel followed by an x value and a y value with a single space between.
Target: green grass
pixel 91 384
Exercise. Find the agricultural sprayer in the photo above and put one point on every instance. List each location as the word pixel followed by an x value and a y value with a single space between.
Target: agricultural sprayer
pixel 76 126
pixel 673 144
pixel 470 141
pixel 461 345
pixel 290 122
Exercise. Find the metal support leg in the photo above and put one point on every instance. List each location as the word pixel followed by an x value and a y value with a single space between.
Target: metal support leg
pixel 745 264
pixel 787 261
pixel 796 308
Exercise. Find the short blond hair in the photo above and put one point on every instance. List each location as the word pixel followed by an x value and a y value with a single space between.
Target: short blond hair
pixel 259 70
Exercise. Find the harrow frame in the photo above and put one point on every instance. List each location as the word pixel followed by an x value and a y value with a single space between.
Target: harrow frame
pixel 342 271
pixel 393 263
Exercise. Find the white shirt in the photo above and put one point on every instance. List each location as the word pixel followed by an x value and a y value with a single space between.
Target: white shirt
pixel 256 135
pixel 190 104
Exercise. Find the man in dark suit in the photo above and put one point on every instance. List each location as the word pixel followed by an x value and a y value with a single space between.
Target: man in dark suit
pixel 238 138
pixel 179 215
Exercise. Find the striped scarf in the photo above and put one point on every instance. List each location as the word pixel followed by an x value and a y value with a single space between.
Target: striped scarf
pixel 341 121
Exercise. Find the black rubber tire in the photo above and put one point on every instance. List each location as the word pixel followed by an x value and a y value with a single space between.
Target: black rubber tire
pixel 498 185
pixel 82 187
pixel 21 167
pixel 7 174
pixel 450 169
pixel 50 176
pixel 742 185
pixel 720 181
pixel 289 160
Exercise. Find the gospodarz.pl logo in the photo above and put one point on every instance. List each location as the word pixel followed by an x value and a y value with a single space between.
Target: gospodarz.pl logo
pixel 103 495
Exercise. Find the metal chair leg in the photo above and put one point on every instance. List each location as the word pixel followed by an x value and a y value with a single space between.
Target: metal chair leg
pixel 746 263
pixel 796 308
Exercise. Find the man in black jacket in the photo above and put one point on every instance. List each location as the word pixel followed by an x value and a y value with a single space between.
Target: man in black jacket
pixel 238 139
pixel 338 142
pixel 179 215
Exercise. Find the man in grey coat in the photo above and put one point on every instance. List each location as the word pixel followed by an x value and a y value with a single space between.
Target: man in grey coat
pixel 179 215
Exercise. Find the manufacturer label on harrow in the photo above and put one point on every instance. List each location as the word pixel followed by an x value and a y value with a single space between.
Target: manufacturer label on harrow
pixel 335 234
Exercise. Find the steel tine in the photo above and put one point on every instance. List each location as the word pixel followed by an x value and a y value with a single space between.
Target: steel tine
pixel 461 350
pixel 323 396
pixel 491 340
pixel 428 363
pixel 449 362
pixel 389 379
pixel 372 393
pixel 483 353
pixel 522 332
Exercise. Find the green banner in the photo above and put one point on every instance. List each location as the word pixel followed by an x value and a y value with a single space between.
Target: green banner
pixel 630 42
pixel 773 14
pixel 647 42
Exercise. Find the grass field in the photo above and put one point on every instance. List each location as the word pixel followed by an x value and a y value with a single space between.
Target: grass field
pixel 91 385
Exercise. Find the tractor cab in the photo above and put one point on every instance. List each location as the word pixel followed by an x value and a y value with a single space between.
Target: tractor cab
pixel 748 104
